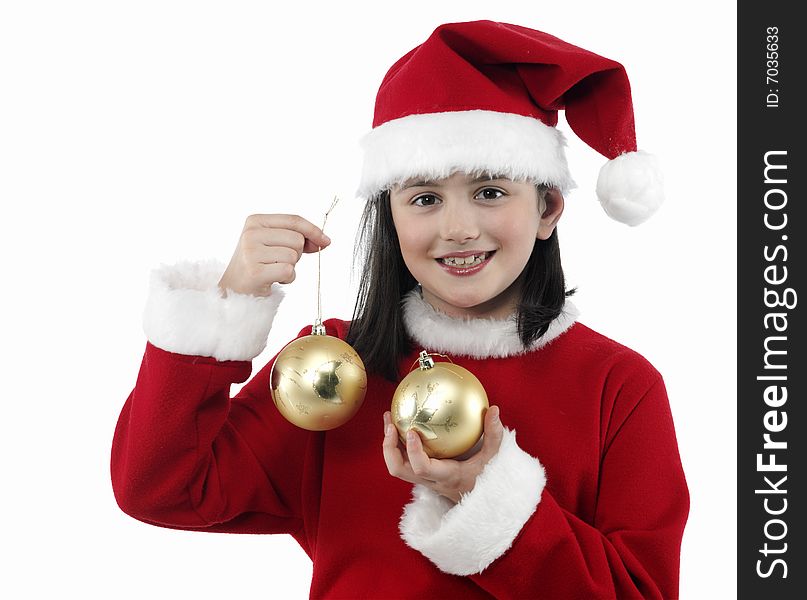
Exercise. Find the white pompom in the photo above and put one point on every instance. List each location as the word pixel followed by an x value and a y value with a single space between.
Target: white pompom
pixel 630 187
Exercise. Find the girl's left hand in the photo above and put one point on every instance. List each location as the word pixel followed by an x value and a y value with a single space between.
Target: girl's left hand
pixel 448 477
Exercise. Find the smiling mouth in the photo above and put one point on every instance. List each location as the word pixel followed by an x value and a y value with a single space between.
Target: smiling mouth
pixel 465 262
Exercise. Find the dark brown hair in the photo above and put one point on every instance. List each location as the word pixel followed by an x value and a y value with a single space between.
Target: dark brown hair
pixel 377 330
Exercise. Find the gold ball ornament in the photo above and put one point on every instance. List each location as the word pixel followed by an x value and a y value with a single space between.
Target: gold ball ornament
pixel 445 403
pixel 318 381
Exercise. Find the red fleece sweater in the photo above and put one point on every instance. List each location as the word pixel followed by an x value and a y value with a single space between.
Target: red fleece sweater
pixel 608 525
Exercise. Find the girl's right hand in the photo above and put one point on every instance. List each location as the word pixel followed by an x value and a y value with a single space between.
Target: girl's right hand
pixel 268 249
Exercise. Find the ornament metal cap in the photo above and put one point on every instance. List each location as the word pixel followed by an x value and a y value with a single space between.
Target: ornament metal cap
pixel 425 360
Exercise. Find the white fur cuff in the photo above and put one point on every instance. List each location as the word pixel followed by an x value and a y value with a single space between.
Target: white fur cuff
pixel 466 538
pixel 186 313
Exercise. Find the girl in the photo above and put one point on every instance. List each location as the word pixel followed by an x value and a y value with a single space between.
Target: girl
pixel 464 176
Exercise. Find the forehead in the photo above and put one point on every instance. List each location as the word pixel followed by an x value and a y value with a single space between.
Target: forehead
pixel 458 177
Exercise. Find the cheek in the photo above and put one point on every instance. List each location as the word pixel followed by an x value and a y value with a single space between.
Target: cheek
pixel 412 246
pixel 410 237
pixel 518 223
pixel 517 232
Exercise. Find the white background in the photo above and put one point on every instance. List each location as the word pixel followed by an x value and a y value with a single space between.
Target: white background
pixel 140 133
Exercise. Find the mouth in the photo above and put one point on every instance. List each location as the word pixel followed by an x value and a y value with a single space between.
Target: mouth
pixel 465 265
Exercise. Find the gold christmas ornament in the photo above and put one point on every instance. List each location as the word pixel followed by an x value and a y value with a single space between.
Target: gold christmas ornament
pixel 318 381
pixel 444 403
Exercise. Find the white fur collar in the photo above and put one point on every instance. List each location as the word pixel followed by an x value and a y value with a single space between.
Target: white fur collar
pixel 477 338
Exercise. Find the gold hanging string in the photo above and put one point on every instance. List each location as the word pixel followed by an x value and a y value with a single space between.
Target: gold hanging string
pixel 319 329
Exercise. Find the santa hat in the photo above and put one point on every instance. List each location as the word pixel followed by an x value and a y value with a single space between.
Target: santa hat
pixel 484 97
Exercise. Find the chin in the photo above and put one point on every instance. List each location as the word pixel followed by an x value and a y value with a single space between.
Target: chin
pixel 467 299
pixel 468 302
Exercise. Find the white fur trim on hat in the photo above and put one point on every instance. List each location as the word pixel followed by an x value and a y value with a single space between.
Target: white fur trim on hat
pixel 435 145
pixel 186 313
pixel 466 538
pixel 630 187
pixel 477 338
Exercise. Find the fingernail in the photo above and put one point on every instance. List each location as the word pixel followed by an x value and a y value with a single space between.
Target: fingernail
pixel 495 414
pixel 410 436
pixel 327 239
pixel 390 429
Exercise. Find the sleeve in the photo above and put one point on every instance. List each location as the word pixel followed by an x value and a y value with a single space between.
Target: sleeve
pixel 512 538
pixel 184 454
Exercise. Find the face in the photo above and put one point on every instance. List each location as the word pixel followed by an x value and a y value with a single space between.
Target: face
pixel 467 240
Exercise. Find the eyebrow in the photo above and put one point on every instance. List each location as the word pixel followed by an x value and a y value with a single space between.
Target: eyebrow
pixel 427 182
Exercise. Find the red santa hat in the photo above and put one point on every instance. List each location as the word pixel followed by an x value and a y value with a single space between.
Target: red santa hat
pixel 484 97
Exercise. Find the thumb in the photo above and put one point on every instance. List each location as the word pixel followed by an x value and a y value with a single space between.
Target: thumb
pixel 494 432
pixel 313 245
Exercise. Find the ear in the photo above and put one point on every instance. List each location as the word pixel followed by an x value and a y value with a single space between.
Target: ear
pixel 553 202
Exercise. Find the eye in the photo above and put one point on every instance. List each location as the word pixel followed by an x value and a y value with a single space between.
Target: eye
pixel 425 200
pixel 487 194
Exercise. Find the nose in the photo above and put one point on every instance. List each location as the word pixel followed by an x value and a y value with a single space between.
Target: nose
pixel 459 221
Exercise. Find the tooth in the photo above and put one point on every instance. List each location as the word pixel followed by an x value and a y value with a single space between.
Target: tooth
pixel 459 261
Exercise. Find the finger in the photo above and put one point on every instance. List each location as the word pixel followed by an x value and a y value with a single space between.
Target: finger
pixel 295 223
pixel 310 247
pixel 276 272
pixel 434 470
pixel 493 433
pixel 392 454
pixel 418 459
pixel 269 237
pixel 269 255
